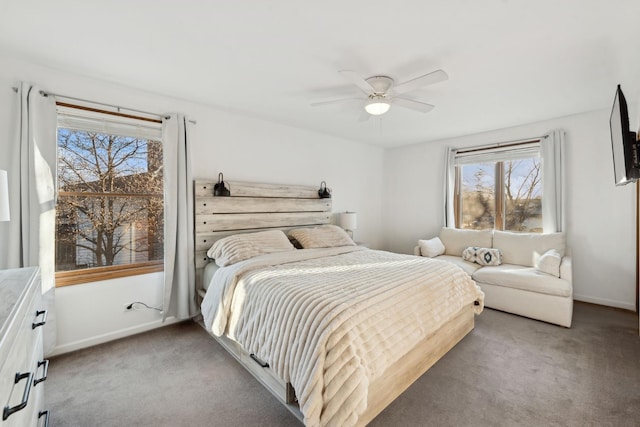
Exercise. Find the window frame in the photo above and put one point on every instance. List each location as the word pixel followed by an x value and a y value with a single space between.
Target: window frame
pixel 96 274
pixel 101 273
pixel 499 175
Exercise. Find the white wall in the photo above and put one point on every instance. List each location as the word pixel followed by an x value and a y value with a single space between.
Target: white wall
pixel 243 148
pixel 93 313
pixel 600 216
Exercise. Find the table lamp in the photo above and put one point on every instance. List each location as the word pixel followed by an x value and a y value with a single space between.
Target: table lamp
pixel 348 221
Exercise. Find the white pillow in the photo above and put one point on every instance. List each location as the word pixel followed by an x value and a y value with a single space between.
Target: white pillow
pixel 549 263
pixel 323 236
pixel 431 248
pixel 240 247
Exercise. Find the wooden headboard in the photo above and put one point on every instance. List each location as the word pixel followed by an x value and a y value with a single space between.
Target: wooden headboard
pixel 252 207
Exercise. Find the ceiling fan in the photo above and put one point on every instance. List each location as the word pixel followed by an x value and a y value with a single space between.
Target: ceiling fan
pixel 382 91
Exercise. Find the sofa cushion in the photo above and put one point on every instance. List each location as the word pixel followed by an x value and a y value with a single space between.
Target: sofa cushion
pixel 468 267
pixel 455 240
pixel 431 248
pixel 523 248
pixel 525 278
pixel 483 256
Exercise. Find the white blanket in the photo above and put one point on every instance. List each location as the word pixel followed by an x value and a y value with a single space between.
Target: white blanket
pixel 330 321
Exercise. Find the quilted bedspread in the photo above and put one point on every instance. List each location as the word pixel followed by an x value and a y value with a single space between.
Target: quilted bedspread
pixel 330 321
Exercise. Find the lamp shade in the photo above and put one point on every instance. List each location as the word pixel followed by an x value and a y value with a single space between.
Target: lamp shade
pixel 4 197
pixel 348 220
pixel 377 106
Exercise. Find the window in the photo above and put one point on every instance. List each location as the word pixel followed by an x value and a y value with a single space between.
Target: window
pixel 109 212
pixel 499 188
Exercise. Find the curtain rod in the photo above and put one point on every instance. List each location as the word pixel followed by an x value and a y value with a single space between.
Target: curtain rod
pixel 501 144
pixel 56 95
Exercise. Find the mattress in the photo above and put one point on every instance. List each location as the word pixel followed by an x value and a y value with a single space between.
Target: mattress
pixel 330 321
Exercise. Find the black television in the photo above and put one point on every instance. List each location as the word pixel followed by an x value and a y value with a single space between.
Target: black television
pixel 626 160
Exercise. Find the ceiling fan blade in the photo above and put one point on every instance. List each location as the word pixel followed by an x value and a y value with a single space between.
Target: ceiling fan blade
pixel 357 80
pixel 333 101
pixel 412 104
pixel 419 82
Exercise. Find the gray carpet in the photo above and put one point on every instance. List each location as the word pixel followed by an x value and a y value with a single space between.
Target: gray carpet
pixel 510 371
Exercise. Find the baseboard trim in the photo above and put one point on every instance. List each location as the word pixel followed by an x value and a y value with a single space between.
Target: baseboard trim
pixel 604 301
pixel 101 339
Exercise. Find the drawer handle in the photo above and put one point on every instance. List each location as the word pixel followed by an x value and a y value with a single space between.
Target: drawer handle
pixel 46 417
pixel 44 371
pixel 25 395
pixel 44 318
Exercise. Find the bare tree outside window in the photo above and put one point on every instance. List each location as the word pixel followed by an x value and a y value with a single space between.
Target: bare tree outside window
pixel 110 205
pixel 478 196
pixel 505 195
pixel 523 195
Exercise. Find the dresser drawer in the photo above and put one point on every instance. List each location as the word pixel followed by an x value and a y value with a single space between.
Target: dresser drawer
pixel 22 366
pixel 30 330
pixel 35 403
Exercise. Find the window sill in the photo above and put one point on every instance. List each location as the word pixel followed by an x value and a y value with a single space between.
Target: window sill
pixel 87 275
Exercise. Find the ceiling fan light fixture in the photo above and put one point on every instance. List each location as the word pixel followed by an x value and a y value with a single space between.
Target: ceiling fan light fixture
pixel 377 106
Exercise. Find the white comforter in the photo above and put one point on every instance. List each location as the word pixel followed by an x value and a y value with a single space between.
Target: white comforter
pixel 330 321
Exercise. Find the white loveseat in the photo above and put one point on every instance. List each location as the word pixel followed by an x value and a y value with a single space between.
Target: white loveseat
pixel 525 283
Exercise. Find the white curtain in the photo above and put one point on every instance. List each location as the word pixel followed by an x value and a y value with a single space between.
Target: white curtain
pixel 449 186
pixel 179 264
pixel 552 153
pixel 30 159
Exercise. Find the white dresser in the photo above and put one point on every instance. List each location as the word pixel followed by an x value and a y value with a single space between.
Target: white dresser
pixel 22 367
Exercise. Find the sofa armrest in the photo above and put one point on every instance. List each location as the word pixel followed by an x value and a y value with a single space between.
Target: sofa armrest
pixel 416 251
pixel 565 268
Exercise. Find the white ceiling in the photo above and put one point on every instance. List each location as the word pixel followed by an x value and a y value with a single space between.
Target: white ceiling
pixel 510 62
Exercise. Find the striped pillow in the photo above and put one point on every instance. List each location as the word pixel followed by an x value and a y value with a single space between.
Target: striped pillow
pixel 240 247
pixel 323 236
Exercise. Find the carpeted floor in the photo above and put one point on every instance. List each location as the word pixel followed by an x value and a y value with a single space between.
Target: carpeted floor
pixel 510 371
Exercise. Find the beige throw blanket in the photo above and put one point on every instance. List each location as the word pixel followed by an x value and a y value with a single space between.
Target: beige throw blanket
pixel 330 321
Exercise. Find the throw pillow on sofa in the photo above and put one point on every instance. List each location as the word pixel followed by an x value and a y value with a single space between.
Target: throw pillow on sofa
pixel 482 256
pixel 431 248
pixel 549 263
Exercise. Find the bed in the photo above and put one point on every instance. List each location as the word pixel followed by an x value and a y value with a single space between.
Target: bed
pixel 335 331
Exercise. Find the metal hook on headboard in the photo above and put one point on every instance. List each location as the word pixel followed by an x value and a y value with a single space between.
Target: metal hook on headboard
pixel 220 189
